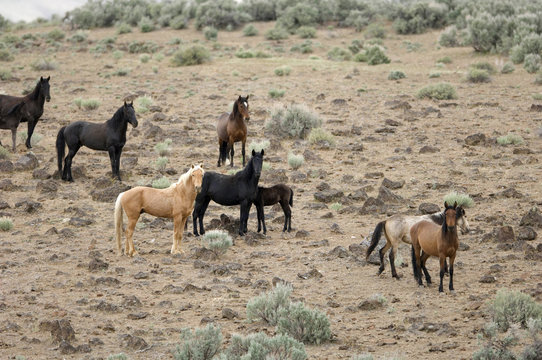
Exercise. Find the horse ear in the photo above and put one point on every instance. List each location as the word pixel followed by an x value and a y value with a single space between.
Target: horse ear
pixel 455 204
pixel 262 152
pixel 253 152
pixel 445 205
pixel 48 77
pixel 201 165
pixel 132 103
pixel 41 78
pixel 192 166
pixel 125 104
pixel 247 97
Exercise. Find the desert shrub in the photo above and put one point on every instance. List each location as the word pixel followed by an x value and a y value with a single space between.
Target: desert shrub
pixel 336 206
pixel 210 33
pixel 533 351
pixel 4 153
pixel 120 356
pixel 306 32
pixel 161 183
pixel 361 57
pixel 493 347
pixel 537 97
pixel 449 38
pixel 217 241
pixel 123 28
pixel 376 55
pixel 163 148
pixel 510 139
pixel 193 55
pixel 118 54
pixel 121 72
pixel 258 145
pixel 139 47
pixel 417 17
pixel 463 200
pixel 303 324
pixel 259 346
pixel 445 60
pixel 250 30
pixel 531 44
pixel 283 70
pixel 441 91
pixel 79 37
pixel 202 344
pixel 179 22
pixel 267 306
pixel 478 76
pixel 339 54
pixel 319 135
pixel 484 65
pixel 143 103
pixel 276 93
pixel 294 121
pixel 158 57
pixel 362 357
pixel 355 46
pixel 56 35
pixel 36 138
pixel 396 75
pixel 295 161
pixel 87 104
pixel 375 30
pixel 300 14
pixel 146 25
pixel 6 224
pixel 161 163
pixel 507 68
pixel 144 58
pixel 219 14
pixel 304 48
pixel 5 74
pixel 531 63
pixel 434 74
pixel 5 55
pixel 277 33
pixel 242 54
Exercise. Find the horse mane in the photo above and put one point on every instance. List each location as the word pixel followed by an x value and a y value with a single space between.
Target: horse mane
pixel 235 111
pixel 438 218
pixel 117 117
pixel 36 92
pixel 184 177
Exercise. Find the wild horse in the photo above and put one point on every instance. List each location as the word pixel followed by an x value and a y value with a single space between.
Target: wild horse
pixel 33 106
pixel 109 136
pixel 279 193
pixel 231 128
pixel 238 189
pixel 11 120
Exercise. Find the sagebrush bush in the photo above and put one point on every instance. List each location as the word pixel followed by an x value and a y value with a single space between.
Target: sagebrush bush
pixel 375 30
pixel 43 65
pixel 161 163
pixel 146 25
pixel 5 74
pixel 250 30
pixel 220 14
pixel 396 75
pixel 417 17
pixel 202 344
pixel 442 91
pixel 56 35
pixel 298 14
pixel 193 55
pixel 139 47
pixel 530 44
pixel 478 76
pixel 294 121
pixel 79 37
pixel 513 139
pixel 245 54
pixel 6 224
pixel 179 22
pixel 493 347
pixel 4 153
pixel 304 48
pixel 120 356
pixel 143 103
pixel 144 58
pixel 375 55
pixel 266 307
pixel 259 346
pixel 463 200
pixel 303 324
pixel 276 93
pixel 87 104
pixel 161 183
pixel 484 65
pixel 5 55
pixel 306 32
pixel 355 46
pixel 295 161
pixel 123 28
pixel 445 60
pixel 507 68
pixel 121 72
pixel 283 70
pixel 319 135
pixel 163 148
pixel 217 241
pixel 336 206
pixel 277 33
pixel 339 54
pixel 532 63
pixel 448 38
pixel 210 33
pixel 434 74
pixel 258 145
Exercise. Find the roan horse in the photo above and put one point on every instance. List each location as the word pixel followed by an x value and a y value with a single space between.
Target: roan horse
pixel 231 128
pixel 279 193
pixel 397 229
pixel 33 108
pixel 109 136
pixel 238 189
pixel 11 120
pixel 176 201
pixel 430 239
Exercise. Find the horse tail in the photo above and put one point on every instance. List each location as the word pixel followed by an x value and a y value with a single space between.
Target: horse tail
pixel 60 148
pixel 376 237
pixel 414 266
pixel 223 151
pixel 291 202
pixel 118 222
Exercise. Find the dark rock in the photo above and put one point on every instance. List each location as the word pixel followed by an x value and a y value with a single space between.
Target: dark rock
pixel 526 233
pixel 133 342
pixel 532 218
pixel 372 206
pixel 357 250
pixel 505 234
pixel 335 228
pixel 310 155
pixel 373 303
pixel 302 234
pixel 427 149
pixel 387 197
pixel 392 185
pixel 323 186
pixel 328 196
pixel 66 233
pixel 391 122
pixel 397 104
pixel 204 254
pixel 536 107
pixel 26 162
pixel 310 275
pixel 107 280
pixel 129 161
pixel 254 239
pixel 131 302
pixel 274 176
pixel 475 139
pixel 339 252
pixel 374 175
pixel 4 205
pixel 109 194
pixel 8 185
pixel 522 151
pixel 138 316
pixel 6 166
pixel 80 222
pixel 206 320
pixel 83 348
pixel 428 208
pixel 158 116
pixel 66 348
pixel 141 275
pixel 488 279
pixel 41 174
pixel 28 206
pixel 320 243
pixel 356 130
pixel 154 132
pixel 96 264
pixel 276 280
pixel 106 307
pixel 61 330
pixel 261 284
pixel 510 193
pixel 229 314
pixel 358 195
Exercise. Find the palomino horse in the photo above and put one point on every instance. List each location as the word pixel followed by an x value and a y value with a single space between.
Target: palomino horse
pixel 33 108
pixel 176 201
pixel 109 136
pixel 430 239
pixel 231 128
pixel 397 229
pixel 279 193
pixel 238 189
pixel 11 120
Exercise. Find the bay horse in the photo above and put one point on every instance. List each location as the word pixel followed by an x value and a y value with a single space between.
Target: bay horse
pixel 109 136
pixel 231 128
pixel 33 105
pixel 238 189
pixel 11 120
pixel 397 229
pixel 430 239
pixel 279 193
pixel 175 202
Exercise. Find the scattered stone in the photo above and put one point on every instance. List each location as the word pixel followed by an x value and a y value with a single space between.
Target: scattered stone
pixel 428 208
pixel 397 104
pixel 393 185
pixel 526 233
pixel 133 342
pixel 522 151
pixel 203 253
pixel 66 233
pixel 96 264
pixel 356 130
pixel 107 280
pixel 80 222
pixel 427 149
pixel 141 275
pixel 106 307
pixel 4 205
pixel 154 132
pixel 372 206
pixel 357 250
pixel 335 228
pixel 131 302
pixel 110 193
pixel 374 175
pixel 302 234
pixel 6 166
pixel 129 162
pixel 83 348
pixel 158 116
pixel 536 107
pixel 229 314
pixel 475 139
pixel 358 195
pixel 311 274
pixel 66 348
pixel 206 320
pixel 28 206
pixel 320 243
pixel 391 122
pixel 488 279
pixel 339 252
pixel 61 330
pixel 41 174
pixel 327 196
pixel 510 193
pixel 505 234
pixel 386 196
pixel 26 162
pixel 375 302
pixel 276 280
pixel 323 186
pixel 261 284
pixel 8 185
pixel 138 316
pixel 532 218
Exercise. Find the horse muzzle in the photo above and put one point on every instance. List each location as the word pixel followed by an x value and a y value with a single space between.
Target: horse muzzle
pixel 134 124
pixel 198 189
pixel 247 118
pixel 48 98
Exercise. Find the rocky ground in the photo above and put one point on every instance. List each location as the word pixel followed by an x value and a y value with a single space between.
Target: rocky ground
pixel 66 294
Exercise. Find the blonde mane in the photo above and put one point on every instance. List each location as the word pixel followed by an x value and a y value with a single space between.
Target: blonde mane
pixel 184 177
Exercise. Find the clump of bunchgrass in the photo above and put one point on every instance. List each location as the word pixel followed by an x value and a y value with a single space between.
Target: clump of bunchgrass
pixel 258 146
pixel 43 65
pixel 210 33
pixel 146 25
pixel 5 74
pixel 295 161
pixel 87 104
pixel 532 63
pixel 276 93
pixel 445 60
pixel 484 65
pixel 508 139
pixel 163 148
pixel 161 163
pixel 120 356
pixel 319 136
pixel 434 74
pixel 4 153
pixel 217 241
pixel 6 224
pixel 121 72
pixel 143 103
pixel 339 54
pixel 277 33
pixel 123 28
pixel 513 307
pixel 336 206
pixel 475 75
pixel 144 58
pixel 250 30
pixel 441 91
pixel 261 346
pixel 193 55
pixel 295 121
pixel 463 200
pixel 161 183
pixel 396 75
pixel 283 70
pixel 508 68
pixel 306 32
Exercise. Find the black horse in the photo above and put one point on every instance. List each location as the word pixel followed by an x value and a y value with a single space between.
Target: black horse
pixel 33 105
pixel 239 189
pixel 109 136
pixel 279 193
pixel 11 120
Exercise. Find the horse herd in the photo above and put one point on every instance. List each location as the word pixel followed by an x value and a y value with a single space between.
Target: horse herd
pixel 429 235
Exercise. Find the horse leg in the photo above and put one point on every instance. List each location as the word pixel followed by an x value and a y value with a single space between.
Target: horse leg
pixel 219 152
pixel 442 259
pixel 202 213
pixel 112 157
pixel 259 211
pixel 287 214
pixel 31 126
pixel 14 139
pixel 393 252
pixel 417 262
pixel 243 150
pixel 424 258
pixel 117 162
pixel 452 259
pixel 231 154
pixel 67 173
pixel 382 252
pixel 246 219
pixel 244 213
pixel 129 248
pixel 178 227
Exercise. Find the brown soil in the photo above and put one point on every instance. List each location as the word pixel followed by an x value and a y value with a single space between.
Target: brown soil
pixel 46 276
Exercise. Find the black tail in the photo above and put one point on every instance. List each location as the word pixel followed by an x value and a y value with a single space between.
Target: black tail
pixel 223 151
pixel 60 148
pixel 291 202
pixel 16 108
pixel 376 237
pixel 414 267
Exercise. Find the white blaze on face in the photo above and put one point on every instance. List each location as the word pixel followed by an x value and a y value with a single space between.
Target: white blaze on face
pixel 245 103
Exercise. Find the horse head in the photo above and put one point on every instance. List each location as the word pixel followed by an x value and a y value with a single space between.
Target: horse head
pixel 129 113
pixel 242 107
pixel 196 173
pixel 257 161
pixel 462 220
pixel 450 214
pixel 44 83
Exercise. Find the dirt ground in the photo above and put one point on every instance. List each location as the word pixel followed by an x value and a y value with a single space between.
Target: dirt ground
pixel 59 260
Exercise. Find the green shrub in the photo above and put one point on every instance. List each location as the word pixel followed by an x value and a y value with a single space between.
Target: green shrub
pixel 449 37
pixel 442 91
pixel 530 44
pixel 79 37
pixel 89 104
pixel 434 74
pixel 376 55
pixel 4 153
pixel 267 306
pixel 362 357
pixel 276 93
pixel 193 55
pixel 5 74
pixel 258 146
pixel 179 22
pixel 163 148
pixel 210 33
pixel 143 103
pixel 494 348
pixel 338 54
pixel 537 97
pixel 158 57
pixel 445 60
pixel 144 58
pixel 120 356
pixel 244 54
pixel 361 57
pixel 283 71
pixel 146 25
pixel 56 35
pixel 202 344
pixel 355 46
pixel 217 241
pixel 161 163
pixel 304 48
pixel 36 138
pixel 121 72
pixel 375 30
pixel 139 47
pixel 463 200
pixel 5 55
pixel 250 30
pixel 303 324
pixel 319 135
pixel 510 139
pixel 43 65
pixel 6 224
pixel 531 63
pixel 336 206
pixel 478 76
pixel 417 17
pixel 294 121
pixel 277 33
pixel 259 346
pixel 295 161
pixel 507 68
pixel 484 65
pixel 161 183
pixel 123 28
pixel 297 15
pixel 396 75
pixel 306 32
pixel 118 54
pixel 221 14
